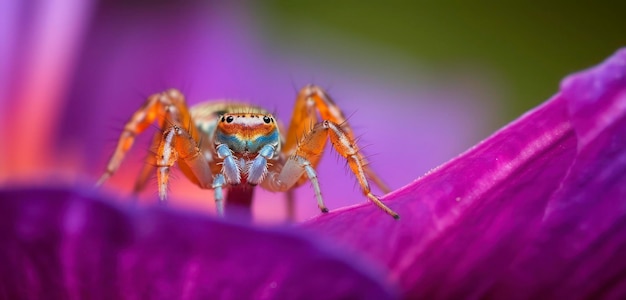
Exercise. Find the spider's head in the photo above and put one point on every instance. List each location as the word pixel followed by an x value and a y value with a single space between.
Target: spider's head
pixel 247 132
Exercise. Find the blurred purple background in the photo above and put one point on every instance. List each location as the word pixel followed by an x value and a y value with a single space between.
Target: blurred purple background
pixel 72 74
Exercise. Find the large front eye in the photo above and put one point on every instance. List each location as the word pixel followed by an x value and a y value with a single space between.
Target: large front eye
pixel 267 119
pixel 229 119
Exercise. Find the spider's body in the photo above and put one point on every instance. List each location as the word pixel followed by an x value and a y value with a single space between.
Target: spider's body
pixel 220 144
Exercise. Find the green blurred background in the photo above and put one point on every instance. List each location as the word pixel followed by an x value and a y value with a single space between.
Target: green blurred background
pixel 526 48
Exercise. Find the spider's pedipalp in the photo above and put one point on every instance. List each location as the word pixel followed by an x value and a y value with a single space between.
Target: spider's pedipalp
pixel 257 169
pixel 230 167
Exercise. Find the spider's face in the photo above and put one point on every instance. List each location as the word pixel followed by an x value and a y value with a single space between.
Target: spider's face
pixel 247 132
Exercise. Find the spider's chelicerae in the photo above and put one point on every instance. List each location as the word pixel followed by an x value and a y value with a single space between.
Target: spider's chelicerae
pixel 218 145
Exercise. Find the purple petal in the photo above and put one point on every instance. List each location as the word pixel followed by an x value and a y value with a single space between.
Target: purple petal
pixel 534 210
pixel 62 244
pixel 581 241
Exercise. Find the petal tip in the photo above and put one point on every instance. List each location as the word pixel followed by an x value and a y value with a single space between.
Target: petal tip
pixel 591 84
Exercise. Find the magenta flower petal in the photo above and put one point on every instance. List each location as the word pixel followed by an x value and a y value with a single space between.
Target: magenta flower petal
pixel 62 244
pixel 582 239
pixel 536 210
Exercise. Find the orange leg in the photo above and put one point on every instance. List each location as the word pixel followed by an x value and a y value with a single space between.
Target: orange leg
pixel 312 100
pixel 148 168
pixel 309 148
pixel 168 106
pixel 346 147
pixel 177 145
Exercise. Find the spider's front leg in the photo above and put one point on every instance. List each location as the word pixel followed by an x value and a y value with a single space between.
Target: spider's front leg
pixel 166 107
pixel 310 147
pixel 311 101
pixel 304 146
pixel 177 143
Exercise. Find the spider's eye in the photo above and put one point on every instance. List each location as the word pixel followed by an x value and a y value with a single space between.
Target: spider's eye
pixel 267 119
pixel 223 119
pixel 229 119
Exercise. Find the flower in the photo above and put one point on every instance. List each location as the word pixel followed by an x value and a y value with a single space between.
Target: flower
pixel 535 211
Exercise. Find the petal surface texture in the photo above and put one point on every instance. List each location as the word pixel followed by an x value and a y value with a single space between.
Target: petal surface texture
pixel 65 244
pixel 536 210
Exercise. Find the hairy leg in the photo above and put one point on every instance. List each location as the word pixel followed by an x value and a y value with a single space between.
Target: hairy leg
pixel 311 101
pixel 177 145
pixel 165 107
pixel 148 168
pixel 310 147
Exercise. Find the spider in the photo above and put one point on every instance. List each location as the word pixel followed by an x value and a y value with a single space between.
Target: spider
pixel 220 145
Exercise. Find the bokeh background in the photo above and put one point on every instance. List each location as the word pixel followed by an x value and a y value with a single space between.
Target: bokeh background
pixel 421 81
